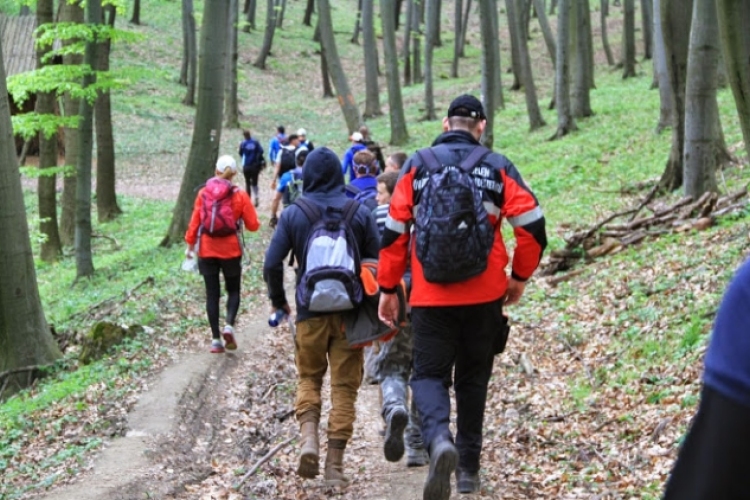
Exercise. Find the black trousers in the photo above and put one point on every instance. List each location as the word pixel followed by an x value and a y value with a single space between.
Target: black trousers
pixel 444 338
pixel 714 461
pixel 232 271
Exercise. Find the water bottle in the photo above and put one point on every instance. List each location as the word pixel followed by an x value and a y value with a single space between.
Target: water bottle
pixel 276 318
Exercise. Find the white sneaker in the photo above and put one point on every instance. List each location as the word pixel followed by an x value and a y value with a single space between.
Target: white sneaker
pixel 229 342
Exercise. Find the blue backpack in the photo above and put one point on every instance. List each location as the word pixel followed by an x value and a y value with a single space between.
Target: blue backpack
pixel 367 197
pixel 454 235
pixel 330 264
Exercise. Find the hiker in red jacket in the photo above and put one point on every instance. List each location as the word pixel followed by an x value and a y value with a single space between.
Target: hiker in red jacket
pixel 215 226
pixel 456 194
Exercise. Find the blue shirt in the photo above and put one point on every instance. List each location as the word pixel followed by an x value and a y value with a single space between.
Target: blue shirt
pixel 274 146
pixel 363 184
pixel 728 357
pixel 287 178
pixel 347 164
pixel 251 152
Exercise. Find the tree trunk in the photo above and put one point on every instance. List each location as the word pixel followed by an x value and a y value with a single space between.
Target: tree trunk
pixel 327 87
pixel 357 24
pixel 372 90
pixel 498 87
pixel 281 6
pixel 232 103
pixel 84 256
pixel 192 51
pixel 51 248
pixel 565 120
pixel 489 59
pixel 704 148
pixel 70 13
pixel 552 6
pixel 260 62
pixel 647 10
pixel 734 18
pixel 399 134
pixel 662 75
pixel 431 29
pixel 532 104
pixel 107 208
pixel 185 55
pixel 588 42
pixel 136 19
pixel 204 148
pixel 465 28
pixel 407 42
pixel 515 59
pixel 416 34
pixel 252 7
pixel 604 12
pixel 438 42
pixel 675 21
pixel 346 99
pixel 25 337
pixel 457 23
pixel 628 39
pixel 309 10
pixel 580 97
pixel 549 37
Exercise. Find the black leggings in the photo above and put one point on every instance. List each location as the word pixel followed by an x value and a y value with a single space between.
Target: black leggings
pixel 213 294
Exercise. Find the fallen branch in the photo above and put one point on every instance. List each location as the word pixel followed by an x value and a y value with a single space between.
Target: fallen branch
pixel 645 201
pixel 263 460
pixel 21 369
pixel 565 277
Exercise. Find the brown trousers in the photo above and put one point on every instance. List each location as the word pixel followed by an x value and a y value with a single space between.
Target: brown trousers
pixel 321 342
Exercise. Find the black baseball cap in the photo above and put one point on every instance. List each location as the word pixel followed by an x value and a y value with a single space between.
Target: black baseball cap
pixel 467 105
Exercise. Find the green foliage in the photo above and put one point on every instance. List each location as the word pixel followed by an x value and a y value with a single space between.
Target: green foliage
pixel 28 125
pixel 61 79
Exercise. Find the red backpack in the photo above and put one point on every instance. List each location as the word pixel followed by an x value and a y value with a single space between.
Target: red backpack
pixel 217 216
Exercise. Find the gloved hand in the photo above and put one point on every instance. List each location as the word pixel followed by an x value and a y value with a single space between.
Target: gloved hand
pixel 274 220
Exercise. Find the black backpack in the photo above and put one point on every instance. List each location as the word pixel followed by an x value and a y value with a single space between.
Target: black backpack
pixel 286 160
pixel 454 235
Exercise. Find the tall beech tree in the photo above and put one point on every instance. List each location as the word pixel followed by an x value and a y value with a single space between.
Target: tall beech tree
pixel 209 114
pixel 628 39
pixel 25 337
pixel 734 18
pixel 106 195
pixel 489 69
pixel 565 121
pixel 370 49
pixel 231 101
pixel 84 256
pixel 432 26
pixel 336 70
pixel 51 247
pixel 189 52
pixel 676 18
pixel 661 74
pixel 265 51
pixel 399 133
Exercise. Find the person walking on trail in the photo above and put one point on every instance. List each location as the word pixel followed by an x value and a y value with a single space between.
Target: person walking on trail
pixel 713 461
pixel 253 162
pixel 459 191
pixel 285 159
pixel 347 163
pixel 303 141
pixel 392 367
pixel 364 188
pixel 213 233
pixel 290 186
pixel 322 215
pixel 274 145
pixel 394 162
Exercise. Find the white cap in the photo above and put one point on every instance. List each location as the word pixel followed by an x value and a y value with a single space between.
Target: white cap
pixel 225 162
pixel 357 137
pixel 302 131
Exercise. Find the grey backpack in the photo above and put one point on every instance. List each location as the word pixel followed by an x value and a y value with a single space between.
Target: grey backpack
pixel 330 265
pixel 454 235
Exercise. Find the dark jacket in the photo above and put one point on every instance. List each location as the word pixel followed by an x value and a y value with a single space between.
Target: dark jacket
pixel 323 183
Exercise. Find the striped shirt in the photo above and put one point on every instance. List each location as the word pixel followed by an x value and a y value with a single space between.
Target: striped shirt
pixel 381 214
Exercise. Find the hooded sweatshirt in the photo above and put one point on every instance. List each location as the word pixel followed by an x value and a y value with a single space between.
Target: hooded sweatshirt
pixel 323 184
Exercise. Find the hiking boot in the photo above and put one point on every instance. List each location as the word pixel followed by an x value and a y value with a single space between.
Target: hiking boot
pixel 443 460
pixel 228 335
pixel 416 457
pixel 467 482
pixel 309 450
pixel 216 346
pixel 334 471
pixel 394 435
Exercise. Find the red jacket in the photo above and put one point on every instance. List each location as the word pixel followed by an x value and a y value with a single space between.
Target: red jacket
pixel 222 247
pixel 505 195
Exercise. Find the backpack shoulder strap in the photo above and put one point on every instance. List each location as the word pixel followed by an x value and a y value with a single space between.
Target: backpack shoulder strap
pixel 476 157
pixel 429 159
pixel 352 189
pixel 350 210
pixel 310 209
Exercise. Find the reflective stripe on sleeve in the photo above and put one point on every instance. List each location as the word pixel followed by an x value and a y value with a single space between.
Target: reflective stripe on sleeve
pixel 526 218
pixel 491 208
pixel 394 225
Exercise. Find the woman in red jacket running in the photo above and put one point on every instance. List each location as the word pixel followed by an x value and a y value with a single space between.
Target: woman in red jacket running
pixel 219 211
